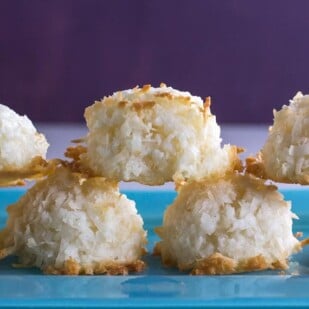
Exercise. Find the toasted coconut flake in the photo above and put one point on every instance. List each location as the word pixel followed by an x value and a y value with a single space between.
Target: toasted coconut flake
pixel 37 169
pixel 71 267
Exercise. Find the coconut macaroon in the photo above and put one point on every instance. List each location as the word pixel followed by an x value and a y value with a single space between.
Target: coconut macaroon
pixel 66 224
pixel 154 135
pixel 229 225
pixel 285 155
pixel 22 148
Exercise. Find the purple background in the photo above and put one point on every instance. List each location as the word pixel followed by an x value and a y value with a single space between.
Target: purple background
pixel 57 57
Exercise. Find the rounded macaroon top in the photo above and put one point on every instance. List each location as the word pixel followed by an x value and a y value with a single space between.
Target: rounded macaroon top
pixel 147 96
pixel 299 103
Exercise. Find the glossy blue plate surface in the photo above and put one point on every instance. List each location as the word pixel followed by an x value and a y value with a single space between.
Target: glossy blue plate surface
pixel 158 286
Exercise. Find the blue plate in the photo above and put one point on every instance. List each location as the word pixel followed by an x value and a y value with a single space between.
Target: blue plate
pixel 158 286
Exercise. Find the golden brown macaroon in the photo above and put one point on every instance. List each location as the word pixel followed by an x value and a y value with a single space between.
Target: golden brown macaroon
pixel 155 135
pixel 22 148
pixel 285 154
pixel 68 224
pixel 227 225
